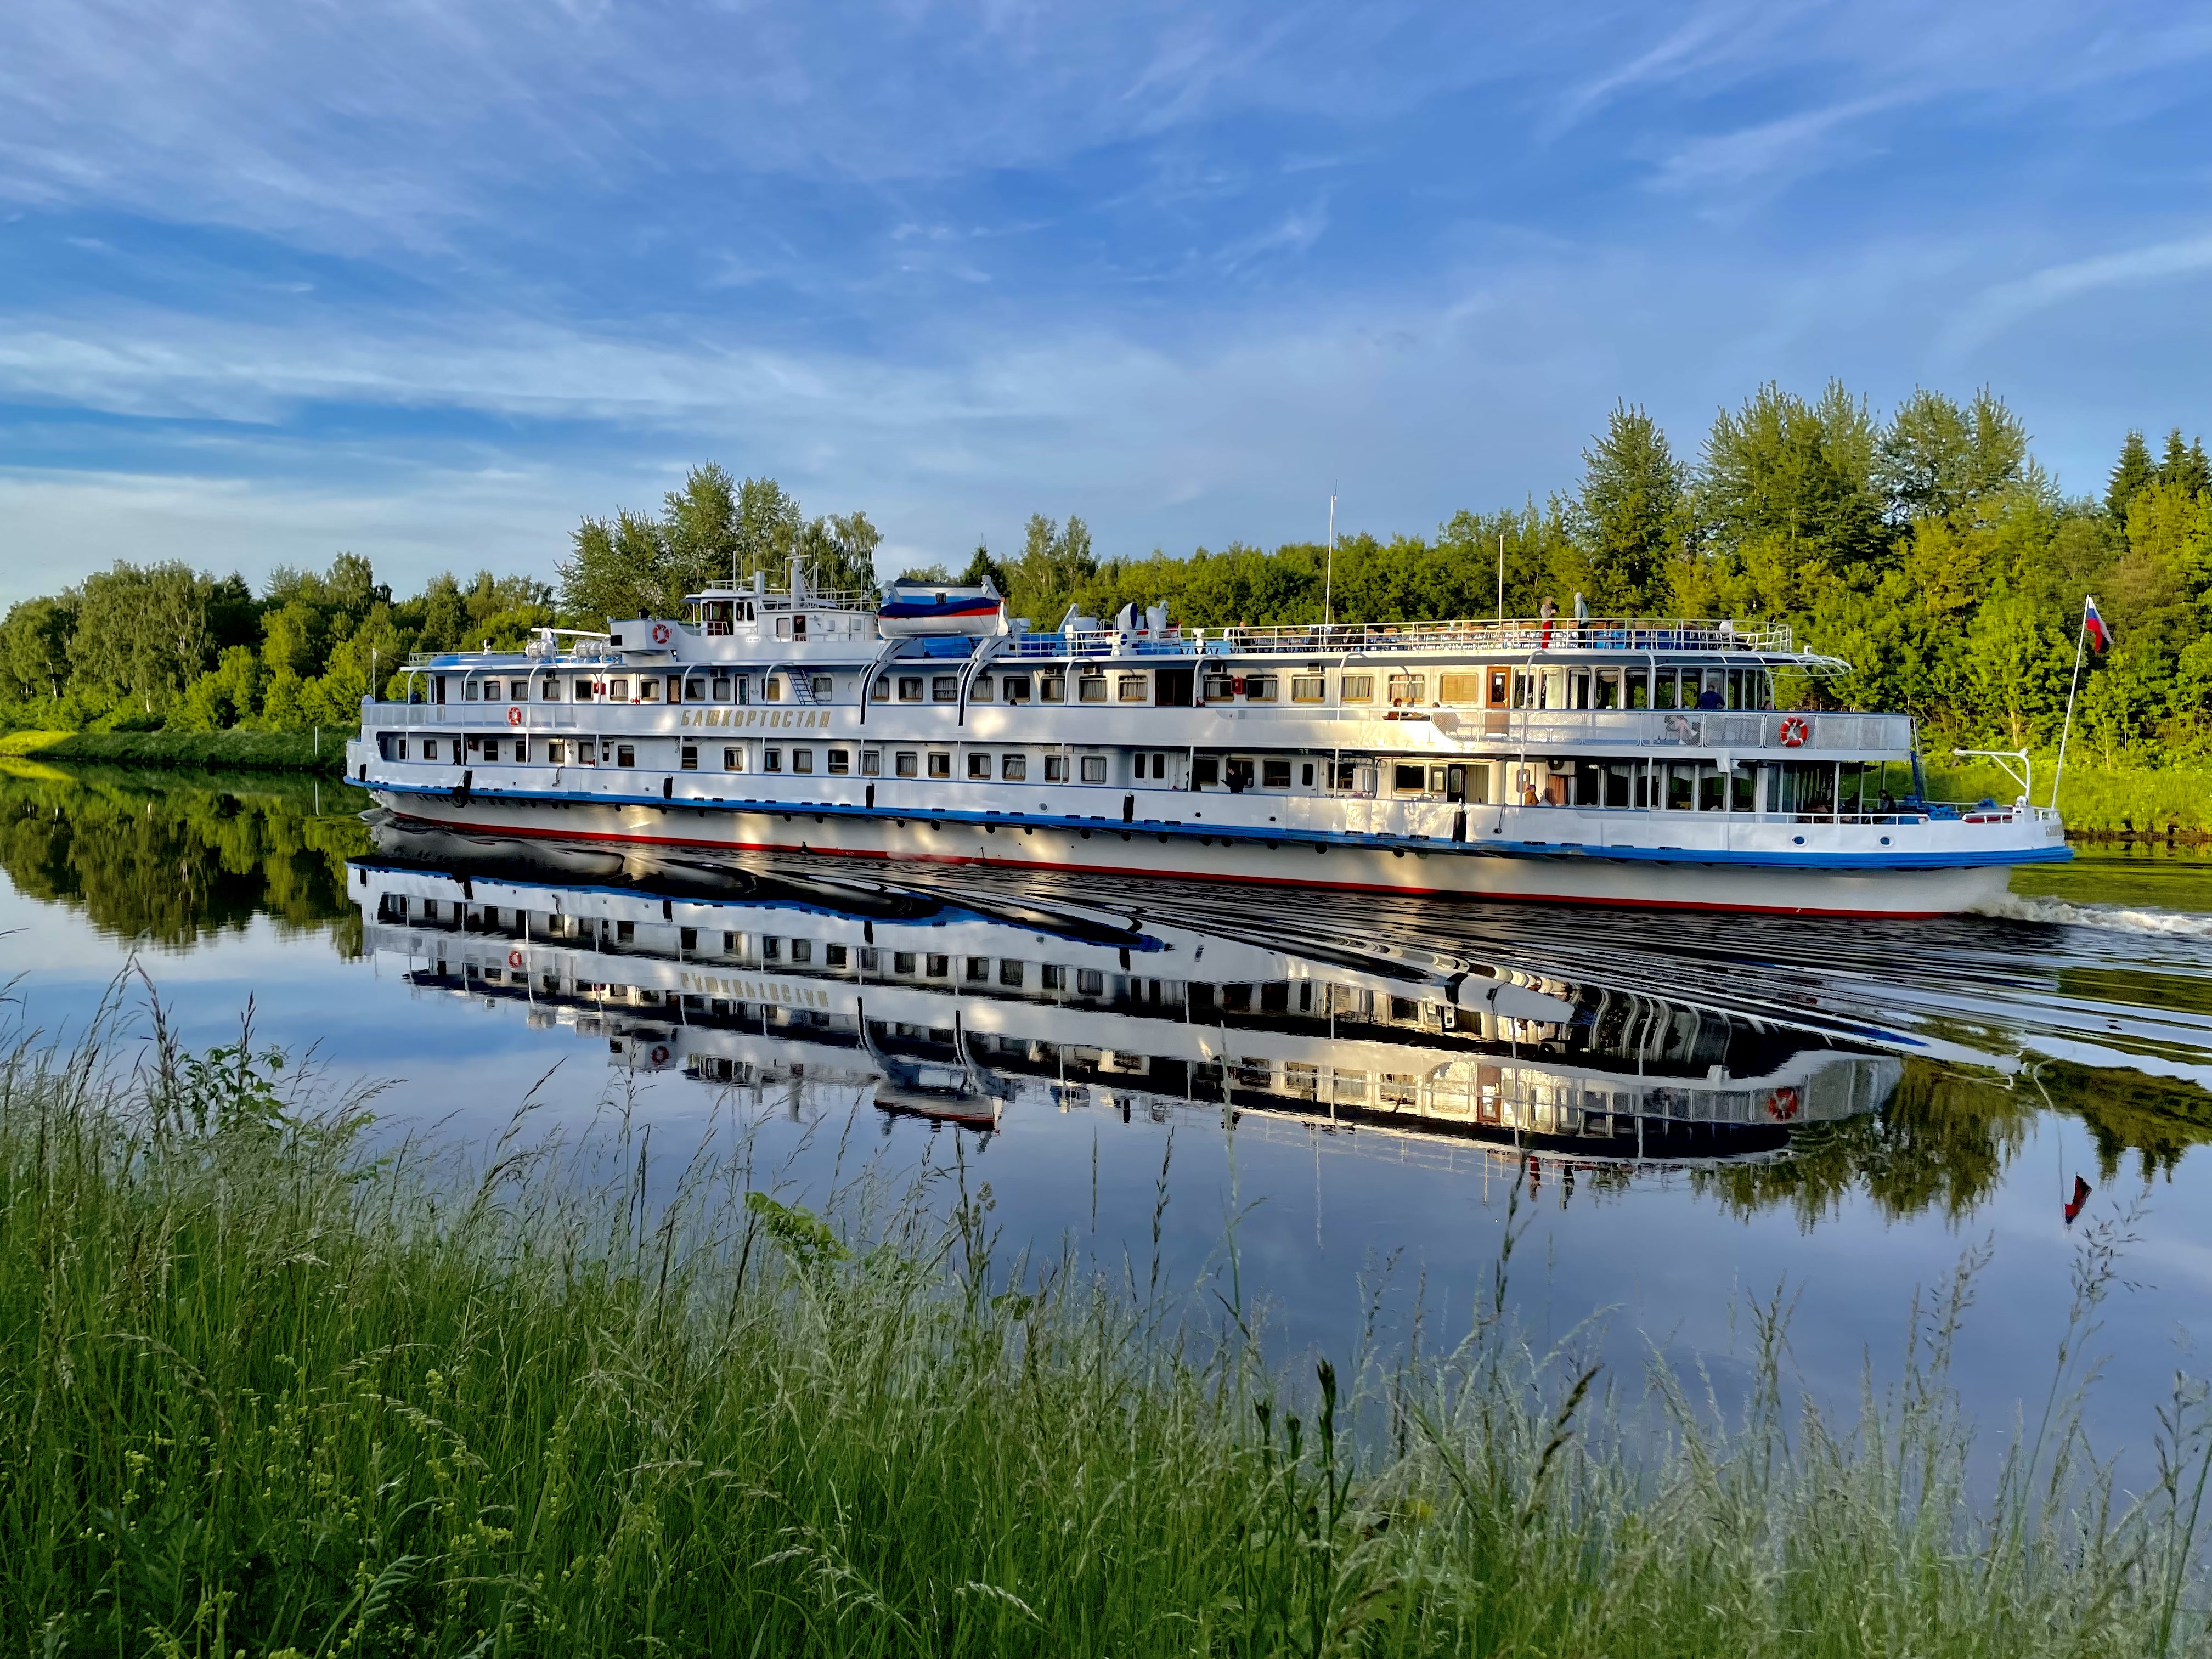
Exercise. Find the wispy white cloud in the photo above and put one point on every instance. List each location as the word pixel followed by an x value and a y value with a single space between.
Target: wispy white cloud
pixel 2006 305
pixel 1725 164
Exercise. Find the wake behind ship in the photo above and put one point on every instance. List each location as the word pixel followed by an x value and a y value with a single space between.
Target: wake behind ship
pixel 1627 761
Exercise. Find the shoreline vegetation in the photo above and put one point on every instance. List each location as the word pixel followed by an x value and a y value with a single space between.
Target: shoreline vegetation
pixel 1926 547
pixel 267 1388
pixel 318 751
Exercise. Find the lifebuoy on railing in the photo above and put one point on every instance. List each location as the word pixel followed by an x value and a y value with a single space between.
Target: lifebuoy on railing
pixel 515 958
pixel 1794 731
pixel 1784 1105
pixel 514 716
pixel 661 633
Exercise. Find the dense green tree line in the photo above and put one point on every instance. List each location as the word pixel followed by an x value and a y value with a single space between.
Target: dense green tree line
pixel 1928 548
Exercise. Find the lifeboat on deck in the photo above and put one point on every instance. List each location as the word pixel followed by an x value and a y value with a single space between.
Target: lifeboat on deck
pixel 910 610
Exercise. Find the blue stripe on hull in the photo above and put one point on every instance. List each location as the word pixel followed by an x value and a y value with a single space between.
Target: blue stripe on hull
pixel 1493 846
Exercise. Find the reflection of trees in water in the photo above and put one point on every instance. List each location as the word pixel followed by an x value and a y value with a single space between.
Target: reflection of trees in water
pixel 172 857
pixel 1943 1140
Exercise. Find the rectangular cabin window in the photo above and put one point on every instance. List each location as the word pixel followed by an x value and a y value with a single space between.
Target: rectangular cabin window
pixel 940 765
pixel 1663 689
pixel 841 763
pixel 1275 775
pixel 1305 775
pixel 1460 688
pixel 1358 688
pixel 1259 688
pixel 1014 769
pixel 1094 768
pixel 1015 688
pixel 799 626
pixel 1010 975
pixel 1092 688
pixel 1408 689
pixel 979 968
pixel 1608 688
pixel 783 627
pixel 1053 977
pixel 1409 780
pixel 936 967
pixel 1241 773
pixel 802 950
pixel 470 691
pixel 1619 777
pixel 1206 772
pixel 625 754
pixel 618 690
pixel 1743 788
pixel 902 961
pixel 1309 688
pixel 824 687
pixel 648 690
pixel 721 687
pixel 945 688
pixel 907 763
pixel 978 690
pixel 1056 769
pixel 689 762
pixel 1437 781
pixel 733 759
pixel 1090 982
pixel 802 760
pixel 549 690
pixel 835 956
pixel 1497 693
pixel 979 766
pixel 772 689
pixel 872 763
pixel 881 691
pixel 1220 688
pixel 583 689
pixel 910 688
pixel 1638 688
pixel 695 690
pixel 1052 687
pixel 675 688
pixel 771 760
pixel 1134 688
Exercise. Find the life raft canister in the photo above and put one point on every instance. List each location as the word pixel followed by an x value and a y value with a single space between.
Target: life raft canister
pixel 1794 731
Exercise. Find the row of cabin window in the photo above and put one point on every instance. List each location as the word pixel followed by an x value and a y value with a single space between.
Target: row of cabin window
pixel 681 688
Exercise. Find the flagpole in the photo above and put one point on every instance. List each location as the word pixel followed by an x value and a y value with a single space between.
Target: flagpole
pixel 1329 582
pixel 2081 633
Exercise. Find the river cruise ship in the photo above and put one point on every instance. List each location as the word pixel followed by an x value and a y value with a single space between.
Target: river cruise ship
pixel 961 1008
pixel 1597 761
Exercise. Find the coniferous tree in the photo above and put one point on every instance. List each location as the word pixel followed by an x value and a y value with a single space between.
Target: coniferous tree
pixel 2130 474
pixel 1627 517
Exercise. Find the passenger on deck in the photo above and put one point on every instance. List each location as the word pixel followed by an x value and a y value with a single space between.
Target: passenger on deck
pixel 1547 611
pixel 1711 698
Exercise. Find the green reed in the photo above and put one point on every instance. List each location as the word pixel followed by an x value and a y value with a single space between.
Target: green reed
pixel 265 1390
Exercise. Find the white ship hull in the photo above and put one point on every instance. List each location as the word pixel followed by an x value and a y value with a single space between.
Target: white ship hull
pixel 1623 876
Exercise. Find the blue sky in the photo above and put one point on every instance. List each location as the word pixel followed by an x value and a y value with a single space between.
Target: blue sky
pixel 428 282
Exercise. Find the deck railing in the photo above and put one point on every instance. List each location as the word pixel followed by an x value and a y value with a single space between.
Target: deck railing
pixel 1523 633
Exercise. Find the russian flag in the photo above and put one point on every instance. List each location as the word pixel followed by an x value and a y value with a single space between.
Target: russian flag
pixel 2094 626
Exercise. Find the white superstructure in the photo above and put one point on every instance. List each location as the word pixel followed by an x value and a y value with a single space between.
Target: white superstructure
pixel 1602 761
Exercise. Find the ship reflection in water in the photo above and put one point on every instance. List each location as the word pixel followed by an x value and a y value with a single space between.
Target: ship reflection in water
pixel 972 1009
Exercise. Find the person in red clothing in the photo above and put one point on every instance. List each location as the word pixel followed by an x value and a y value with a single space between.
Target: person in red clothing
pixel 1548 611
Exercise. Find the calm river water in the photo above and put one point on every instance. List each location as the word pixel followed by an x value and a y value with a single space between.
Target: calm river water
pixel 1690 1112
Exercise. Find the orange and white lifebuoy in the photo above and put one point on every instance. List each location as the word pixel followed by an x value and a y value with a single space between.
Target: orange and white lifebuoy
pixel 515 958
pixel 661 633
pixel 1784 1105
pixel 514 715
pixel 660 1053
pixel 1795 729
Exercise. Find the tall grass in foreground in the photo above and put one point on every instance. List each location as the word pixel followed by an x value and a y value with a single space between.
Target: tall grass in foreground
pixel 262 1392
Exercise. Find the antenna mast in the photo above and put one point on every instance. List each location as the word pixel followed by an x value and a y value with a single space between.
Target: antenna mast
pixel 1328 580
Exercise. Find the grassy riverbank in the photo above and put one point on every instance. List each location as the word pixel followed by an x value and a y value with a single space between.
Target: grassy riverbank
pixel 258 751
pixel 262 1392
pixel 2097 801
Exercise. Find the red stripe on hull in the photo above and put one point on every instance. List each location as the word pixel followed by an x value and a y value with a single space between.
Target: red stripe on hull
pixel 1179 875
